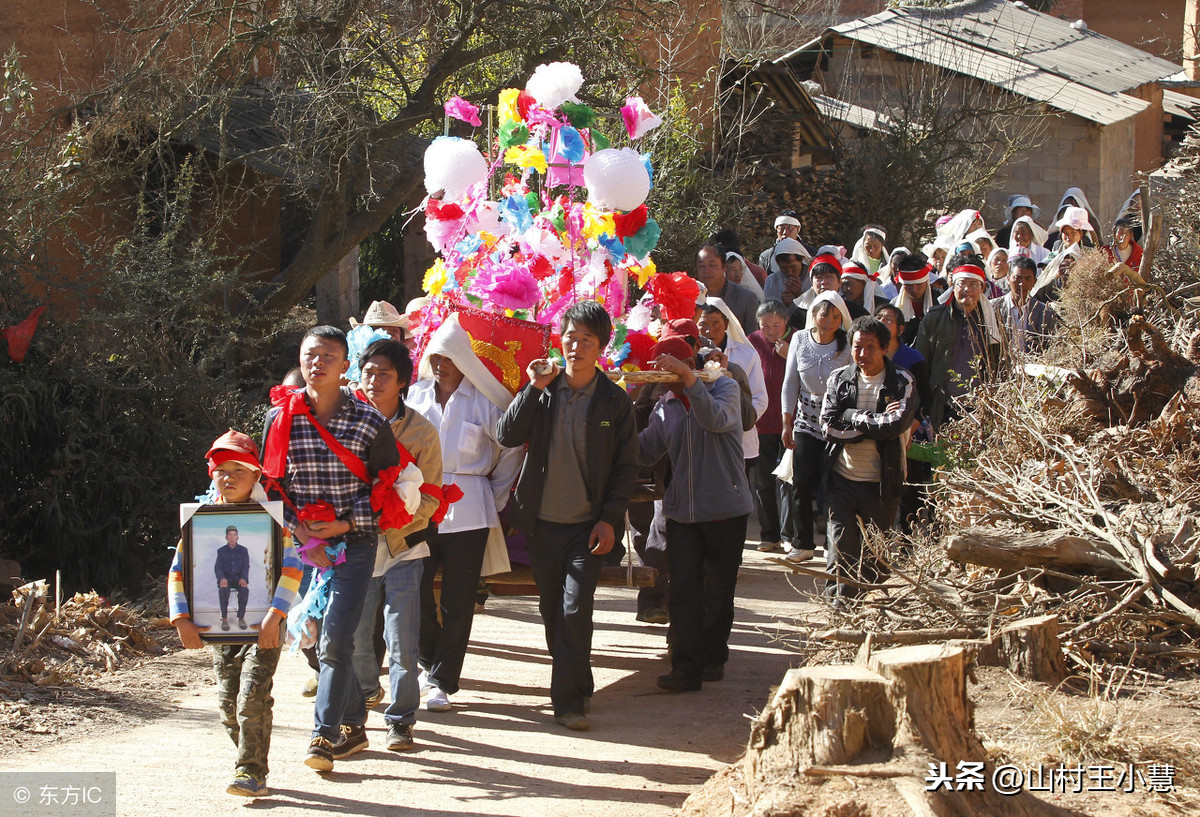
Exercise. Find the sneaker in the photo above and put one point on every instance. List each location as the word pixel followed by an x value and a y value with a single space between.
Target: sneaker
pixel 224 624
pixel 320 755
pixel 438 701
pixel 769 547
pixel 248 785
pixel 654 615
pixel 575 721
pixel 400 738
pixel 424 681
pixel 713 672
pixel 798 555
pixel 309 690
pixel 375 697
pixel 676 681
pixel 352 741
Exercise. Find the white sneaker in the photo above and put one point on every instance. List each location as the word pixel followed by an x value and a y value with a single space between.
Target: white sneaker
pixel 798 555
pixel 438 701
pixel 424 682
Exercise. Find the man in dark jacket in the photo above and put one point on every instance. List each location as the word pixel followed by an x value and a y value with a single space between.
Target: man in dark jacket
pixel 868 409
pixel 233 574
pixel 572 493
pixel 960 339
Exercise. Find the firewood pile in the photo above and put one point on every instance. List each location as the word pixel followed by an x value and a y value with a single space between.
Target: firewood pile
pixel 1069 510
pixel 83 636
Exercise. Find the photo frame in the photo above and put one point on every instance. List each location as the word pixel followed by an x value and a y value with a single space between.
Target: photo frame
pixel 230 555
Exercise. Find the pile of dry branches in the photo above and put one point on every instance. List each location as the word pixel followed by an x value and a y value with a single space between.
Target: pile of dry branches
pixel 51 644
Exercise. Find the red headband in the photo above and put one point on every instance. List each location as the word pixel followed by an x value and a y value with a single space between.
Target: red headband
pixel 969 270
pixel 831 260
pixel 914 276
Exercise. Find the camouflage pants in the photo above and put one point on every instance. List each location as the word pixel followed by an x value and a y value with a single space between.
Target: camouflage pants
pixel 244 681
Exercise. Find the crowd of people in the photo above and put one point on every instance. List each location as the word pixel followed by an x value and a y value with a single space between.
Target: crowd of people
pixel 836 362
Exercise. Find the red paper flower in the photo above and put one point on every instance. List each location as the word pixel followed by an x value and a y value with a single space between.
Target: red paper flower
pixel 675 293
pixel 442 212
pixel 524 103
pixel 640 345
pixel 628 224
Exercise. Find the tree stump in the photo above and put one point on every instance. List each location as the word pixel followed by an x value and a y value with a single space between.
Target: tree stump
pixel 929 692
pixel 820 716
pixel 1030 648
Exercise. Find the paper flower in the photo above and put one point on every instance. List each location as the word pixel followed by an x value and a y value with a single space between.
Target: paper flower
pixel 616 179
pixel 515 211
pixel 675 293
pixel 626 224
pixel 555 83
pixel 613 245
pixel 527 157
pixel 507 106
pixel 453 166
pixel 570 144
pixel 639 120
pixel 580 116
pixel 514 289
pixel 459 108
pixel 638 318
pixel 643 242
pixel 640 345
pixel 435 278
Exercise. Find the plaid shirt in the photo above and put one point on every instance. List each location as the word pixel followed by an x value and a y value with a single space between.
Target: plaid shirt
pixel 314 472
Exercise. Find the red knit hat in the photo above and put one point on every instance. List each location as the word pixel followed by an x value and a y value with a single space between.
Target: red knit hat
pixel 236 446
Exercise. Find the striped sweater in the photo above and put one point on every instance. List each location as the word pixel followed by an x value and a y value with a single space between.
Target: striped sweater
pixel 286 588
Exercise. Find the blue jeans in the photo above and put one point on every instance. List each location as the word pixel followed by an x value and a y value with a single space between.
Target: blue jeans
pixel 399 591
pixel 336 686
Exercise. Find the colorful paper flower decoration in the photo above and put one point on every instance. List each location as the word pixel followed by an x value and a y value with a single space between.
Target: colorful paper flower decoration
pixel 459 108
pixel 639 120
pixel 555 83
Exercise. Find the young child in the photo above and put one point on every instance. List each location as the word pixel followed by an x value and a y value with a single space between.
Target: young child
pixel 246 668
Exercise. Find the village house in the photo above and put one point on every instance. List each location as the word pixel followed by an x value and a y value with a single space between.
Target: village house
pixel 1110 110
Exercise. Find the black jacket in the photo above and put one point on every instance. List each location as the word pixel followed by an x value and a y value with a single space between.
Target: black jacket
pixel 843 423
pixel 612 452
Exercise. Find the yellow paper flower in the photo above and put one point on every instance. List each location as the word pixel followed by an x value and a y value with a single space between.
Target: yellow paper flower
pixel 508 105
pixel 596 223
pixel 435 278
pixel 525 156
pixel 644 273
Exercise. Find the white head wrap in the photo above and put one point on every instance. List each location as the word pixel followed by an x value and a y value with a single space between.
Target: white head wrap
pixel 1039 233
pixel 835 299
pixel 734 330
pixel 452 341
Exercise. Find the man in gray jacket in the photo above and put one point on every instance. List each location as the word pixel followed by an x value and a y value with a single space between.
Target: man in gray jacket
pixel 698 427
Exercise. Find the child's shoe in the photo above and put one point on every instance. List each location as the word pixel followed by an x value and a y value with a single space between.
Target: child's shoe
pixel 246 784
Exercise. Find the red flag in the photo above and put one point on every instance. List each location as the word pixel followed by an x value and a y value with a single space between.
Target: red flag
pixel 506 346
pixel 20 336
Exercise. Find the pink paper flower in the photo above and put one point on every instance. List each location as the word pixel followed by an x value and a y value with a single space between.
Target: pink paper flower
pixel 639 120
pixel 459 108
pixel 514 289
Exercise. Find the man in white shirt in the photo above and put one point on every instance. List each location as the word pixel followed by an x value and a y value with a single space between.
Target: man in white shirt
pixel 1029 321
pixel 463 401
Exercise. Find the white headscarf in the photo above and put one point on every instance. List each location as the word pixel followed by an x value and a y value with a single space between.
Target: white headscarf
pixel 978 234
pixel 1039 233
pixel 748 280
pixel 452 341
pixel 835 298
pixel 734 330
pixel 956 228
pixel 904 303
pixel 859 253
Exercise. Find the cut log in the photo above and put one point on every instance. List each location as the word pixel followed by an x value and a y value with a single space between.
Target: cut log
pixel 896 637
pixel 820 716
pixel 929 692
pixel 1031 649
pixel 1018 550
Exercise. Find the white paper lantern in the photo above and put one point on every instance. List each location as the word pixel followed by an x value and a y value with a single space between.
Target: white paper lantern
pixel 553 84
pixel 616 179
pixel 453 165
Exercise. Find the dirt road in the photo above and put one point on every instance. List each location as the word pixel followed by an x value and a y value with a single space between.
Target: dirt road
pixel 498 753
